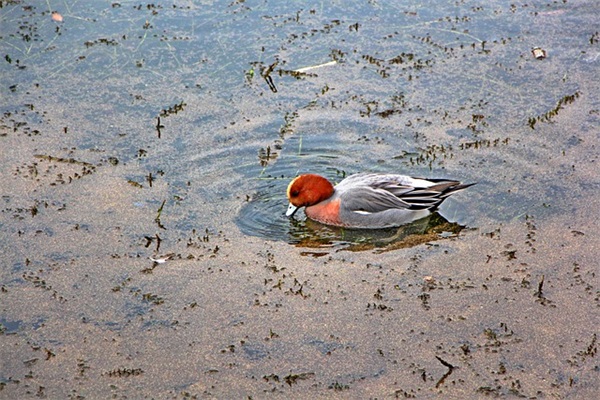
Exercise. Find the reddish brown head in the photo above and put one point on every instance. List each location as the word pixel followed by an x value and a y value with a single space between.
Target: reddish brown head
pixel 309 189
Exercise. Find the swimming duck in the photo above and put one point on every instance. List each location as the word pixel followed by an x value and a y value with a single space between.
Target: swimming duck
pixel 368 200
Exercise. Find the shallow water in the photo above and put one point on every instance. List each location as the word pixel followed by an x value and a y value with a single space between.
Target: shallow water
pixel 497 296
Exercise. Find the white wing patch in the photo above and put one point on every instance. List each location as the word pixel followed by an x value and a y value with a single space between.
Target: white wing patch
pixel 362 212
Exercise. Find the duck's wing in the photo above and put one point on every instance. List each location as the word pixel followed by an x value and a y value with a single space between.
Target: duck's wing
pixel 366 199
pixel 389 194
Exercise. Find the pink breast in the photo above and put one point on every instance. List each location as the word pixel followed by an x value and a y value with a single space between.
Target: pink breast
pixel 326 212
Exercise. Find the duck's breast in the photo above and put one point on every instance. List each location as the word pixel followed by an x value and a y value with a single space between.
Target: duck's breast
pixel 326 212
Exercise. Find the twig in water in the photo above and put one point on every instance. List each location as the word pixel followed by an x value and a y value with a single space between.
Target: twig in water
pixel 447 374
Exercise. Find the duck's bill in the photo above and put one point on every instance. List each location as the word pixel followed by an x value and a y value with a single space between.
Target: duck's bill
pixel 291 210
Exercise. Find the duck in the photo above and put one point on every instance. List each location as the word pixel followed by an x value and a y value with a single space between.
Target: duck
pixel 368 200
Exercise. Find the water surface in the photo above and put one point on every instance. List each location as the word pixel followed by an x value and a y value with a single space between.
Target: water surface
pixel 133 132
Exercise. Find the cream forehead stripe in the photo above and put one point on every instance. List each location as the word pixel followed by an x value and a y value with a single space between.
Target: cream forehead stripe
pixel 290 187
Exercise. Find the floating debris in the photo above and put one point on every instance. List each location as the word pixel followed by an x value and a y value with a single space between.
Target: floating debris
pixel 162 259
pixel 165 112
pixel 159 126
pixel 266 73
pixel 56 17
pixel 159 212
pixel 539 53
pixel 305 69
pixel 548 116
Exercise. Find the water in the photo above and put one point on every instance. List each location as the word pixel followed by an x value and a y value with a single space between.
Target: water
pixel 137 131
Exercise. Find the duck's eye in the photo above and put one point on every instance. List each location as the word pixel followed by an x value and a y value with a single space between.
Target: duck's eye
pixel 294 193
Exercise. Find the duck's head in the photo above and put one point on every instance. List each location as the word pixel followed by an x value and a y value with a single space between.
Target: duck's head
pixel 307 190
